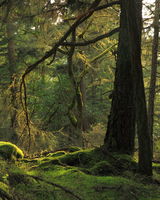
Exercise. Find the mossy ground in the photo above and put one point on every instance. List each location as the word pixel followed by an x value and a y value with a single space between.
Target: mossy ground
pixel 87 174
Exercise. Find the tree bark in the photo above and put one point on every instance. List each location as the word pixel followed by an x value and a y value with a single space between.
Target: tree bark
pixel 121 123
pixel 128 103
pixel 153 68
pixel 144 139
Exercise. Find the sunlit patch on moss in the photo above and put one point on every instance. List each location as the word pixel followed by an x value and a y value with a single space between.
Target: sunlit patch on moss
pixel 10 151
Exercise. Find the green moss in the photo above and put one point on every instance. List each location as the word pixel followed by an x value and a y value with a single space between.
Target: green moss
pixel 26 187
pixel 105 185
pixel 79 158
pixel 92 161
pixel 103 168
pixel 15 178
pixel 73 149
pixel 4 187
pixel 95 187
pixel 56 154
pixel 83 158
pixel 10 151
pixel 4 191
pixel 124 162
pixel 104 179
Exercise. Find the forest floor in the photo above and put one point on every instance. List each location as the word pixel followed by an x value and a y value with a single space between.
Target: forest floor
pixel 83 175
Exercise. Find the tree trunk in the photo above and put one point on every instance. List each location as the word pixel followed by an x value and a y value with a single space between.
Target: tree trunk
pixel 144 139
pixel 121 123
pixel 85 124
pixel 76 119
pixel 153 69
pixel 128 103
pixel 12 65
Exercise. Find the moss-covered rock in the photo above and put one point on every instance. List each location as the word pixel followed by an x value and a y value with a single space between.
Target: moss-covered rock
pixel 78 158
pixel 124 162
pixel 9 151
pixel 103 168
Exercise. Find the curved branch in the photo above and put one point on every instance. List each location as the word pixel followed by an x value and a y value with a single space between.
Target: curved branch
pixel 53 51
pixel 112 32
pixel 107 5
pixel 94 7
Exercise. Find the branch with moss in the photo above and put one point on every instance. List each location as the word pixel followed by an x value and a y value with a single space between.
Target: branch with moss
pixel 80 19
pixel 112 32
pixel 52 53
pixel 56 185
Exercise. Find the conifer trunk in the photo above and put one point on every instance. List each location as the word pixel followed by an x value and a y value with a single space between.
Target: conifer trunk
pixel 121 123
pixel 153 68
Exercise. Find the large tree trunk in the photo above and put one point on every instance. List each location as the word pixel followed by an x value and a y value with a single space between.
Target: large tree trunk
pixel 134 30
pixel 153 68
pixel 121 123
pixel 129 96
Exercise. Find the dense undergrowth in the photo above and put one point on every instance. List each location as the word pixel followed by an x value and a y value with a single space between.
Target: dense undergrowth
pixel 83 174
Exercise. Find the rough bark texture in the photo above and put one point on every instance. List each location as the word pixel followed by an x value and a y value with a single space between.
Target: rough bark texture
pixel 144 139
pixel 128 103
pixel 153 68
pixel 121 123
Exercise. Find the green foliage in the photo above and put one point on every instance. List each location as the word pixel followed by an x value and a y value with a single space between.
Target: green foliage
pixel 10 151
